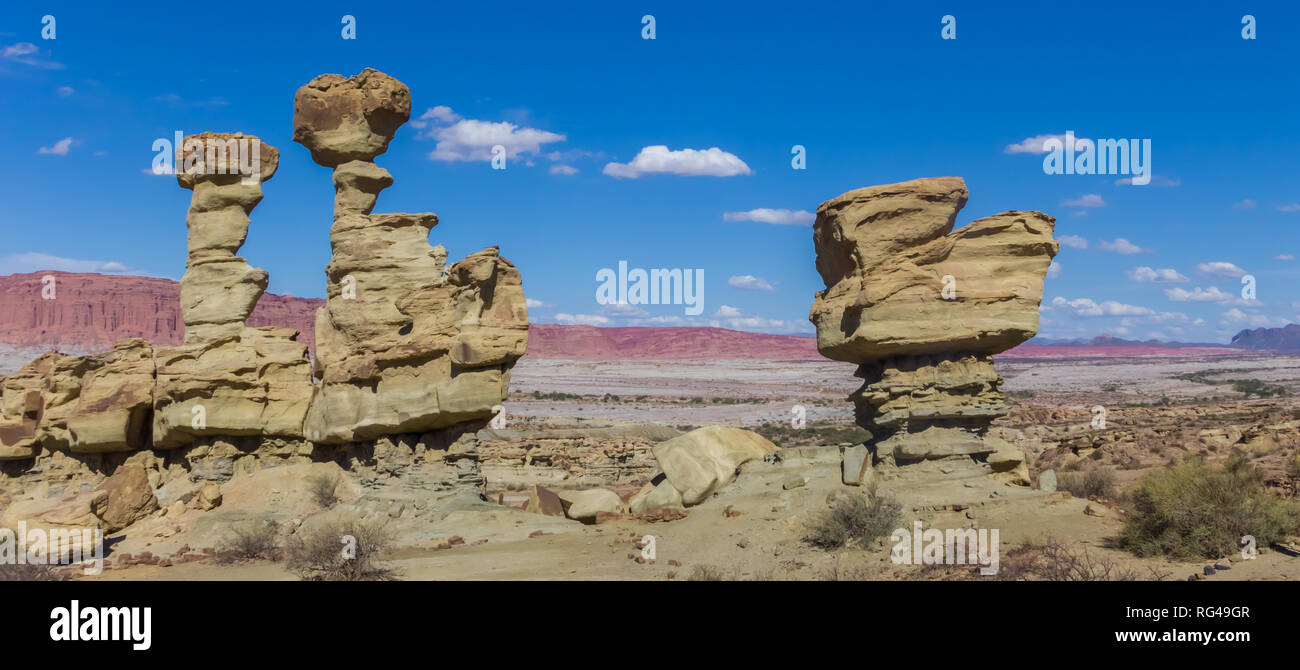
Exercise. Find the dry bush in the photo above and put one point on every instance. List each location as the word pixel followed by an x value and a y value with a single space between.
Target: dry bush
pixel 1056 562
pixel 1094 482
pixel 23 572
pixel 860 518
pixel 1197 511
pixel 322 487
pixel 253 540
pixel 707 573
pixel 341 550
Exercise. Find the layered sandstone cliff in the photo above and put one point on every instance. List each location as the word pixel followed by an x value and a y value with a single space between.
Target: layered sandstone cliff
pixel 922 308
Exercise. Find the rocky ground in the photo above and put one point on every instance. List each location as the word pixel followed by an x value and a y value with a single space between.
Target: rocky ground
pixel 1159 412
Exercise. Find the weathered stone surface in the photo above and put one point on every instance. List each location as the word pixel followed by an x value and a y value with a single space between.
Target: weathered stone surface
pixel 584 505
pixel 208 497
pixel 856 466
pixel 922 308
pixel 404 342
pixel 1047 481
pixel 101 402
pixel 130 498
pixel 705 459
pixel 345 119
pixel 542 500
pixel 22 406
pixel 82 510
pixel 654 496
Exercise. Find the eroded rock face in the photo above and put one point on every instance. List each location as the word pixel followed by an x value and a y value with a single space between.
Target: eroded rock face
pixel 922 308
pixel 404 343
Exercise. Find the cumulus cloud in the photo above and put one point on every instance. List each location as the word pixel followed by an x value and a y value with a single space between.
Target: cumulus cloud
pixel 1121 246
pixel 1284 257
pixel 1034 145
pixel 60 148
pixel 1156 180
pixel 1145 274
pixel 567 170
pixel 659 159
pixel 1220 269
pixel 64 91
pixel 1089 307
pixel 463 140
pixel 534 304
pixel 582 319
pixel 1211 294
pixel 1293 207
pixel 1073 241
pixel 785 217
pixel 750 283
pixel 1236 316
pixel 1054 270
pixel 1245 204
pixel 28 54
pixel 1087 200
pixel 38 262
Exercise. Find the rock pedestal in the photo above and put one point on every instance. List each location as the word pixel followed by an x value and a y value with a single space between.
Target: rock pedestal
pixel 922 308
pixel 404 343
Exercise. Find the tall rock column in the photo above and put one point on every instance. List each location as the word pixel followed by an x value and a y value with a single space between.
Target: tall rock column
pixel 228 378
pixel 922 308
pixel 404 343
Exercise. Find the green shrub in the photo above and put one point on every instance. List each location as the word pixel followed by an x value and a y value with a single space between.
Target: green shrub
pixel 1197 511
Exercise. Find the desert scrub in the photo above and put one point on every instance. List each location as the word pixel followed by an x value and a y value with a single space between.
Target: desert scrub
pixel 252 540
pixel 859 518
pixel 341 550
pixel 1194 510
pixel 1055 561
pixel 1094 482
pixel 321 488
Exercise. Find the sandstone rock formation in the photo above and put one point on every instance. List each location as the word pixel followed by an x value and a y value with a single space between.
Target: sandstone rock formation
pixel 706 459
pixel 404 343
pixel 413 354
pixel 922 308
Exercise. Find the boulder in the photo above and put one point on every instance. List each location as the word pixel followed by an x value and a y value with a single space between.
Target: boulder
pixel 855 468
pixel 76 511
pixel 921 308
pixel 208 497
pixel 706 459
pixel 654 496
pixel 130 498
pixel 584 505
pixel 542 500
pixel 1047 481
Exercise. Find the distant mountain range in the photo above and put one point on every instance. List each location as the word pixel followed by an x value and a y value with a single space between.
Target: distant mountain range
pixel 92 311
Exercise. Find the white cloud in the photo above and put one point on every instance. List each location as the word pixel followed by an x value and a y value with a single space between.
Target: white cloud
pixel 1121 246
pixel 1220 269
pixel 1054 270
pixel 1073 241
pixel 473 139
pixel 65 91
pixel 567 170
pixel 1293 207
pixel 37 262
pixel 1156 180
pixel 1087 200
pixel 1145 274
pixel 785 217
pixel 750 283
pixel 727 311
pixel 1211 294
pixel 658 159
pixel 28 54
pixel 1245 204
pixel 1034 145
pixel 60 148
pixel 1235 315
pixel 441 113
pixel 534 304
pixel 582 319
pixel 1284 257
pixel 1089 307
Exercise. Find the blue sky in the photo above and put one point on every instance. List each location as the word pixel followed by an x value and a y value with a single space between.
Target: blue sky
pixel 870 89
